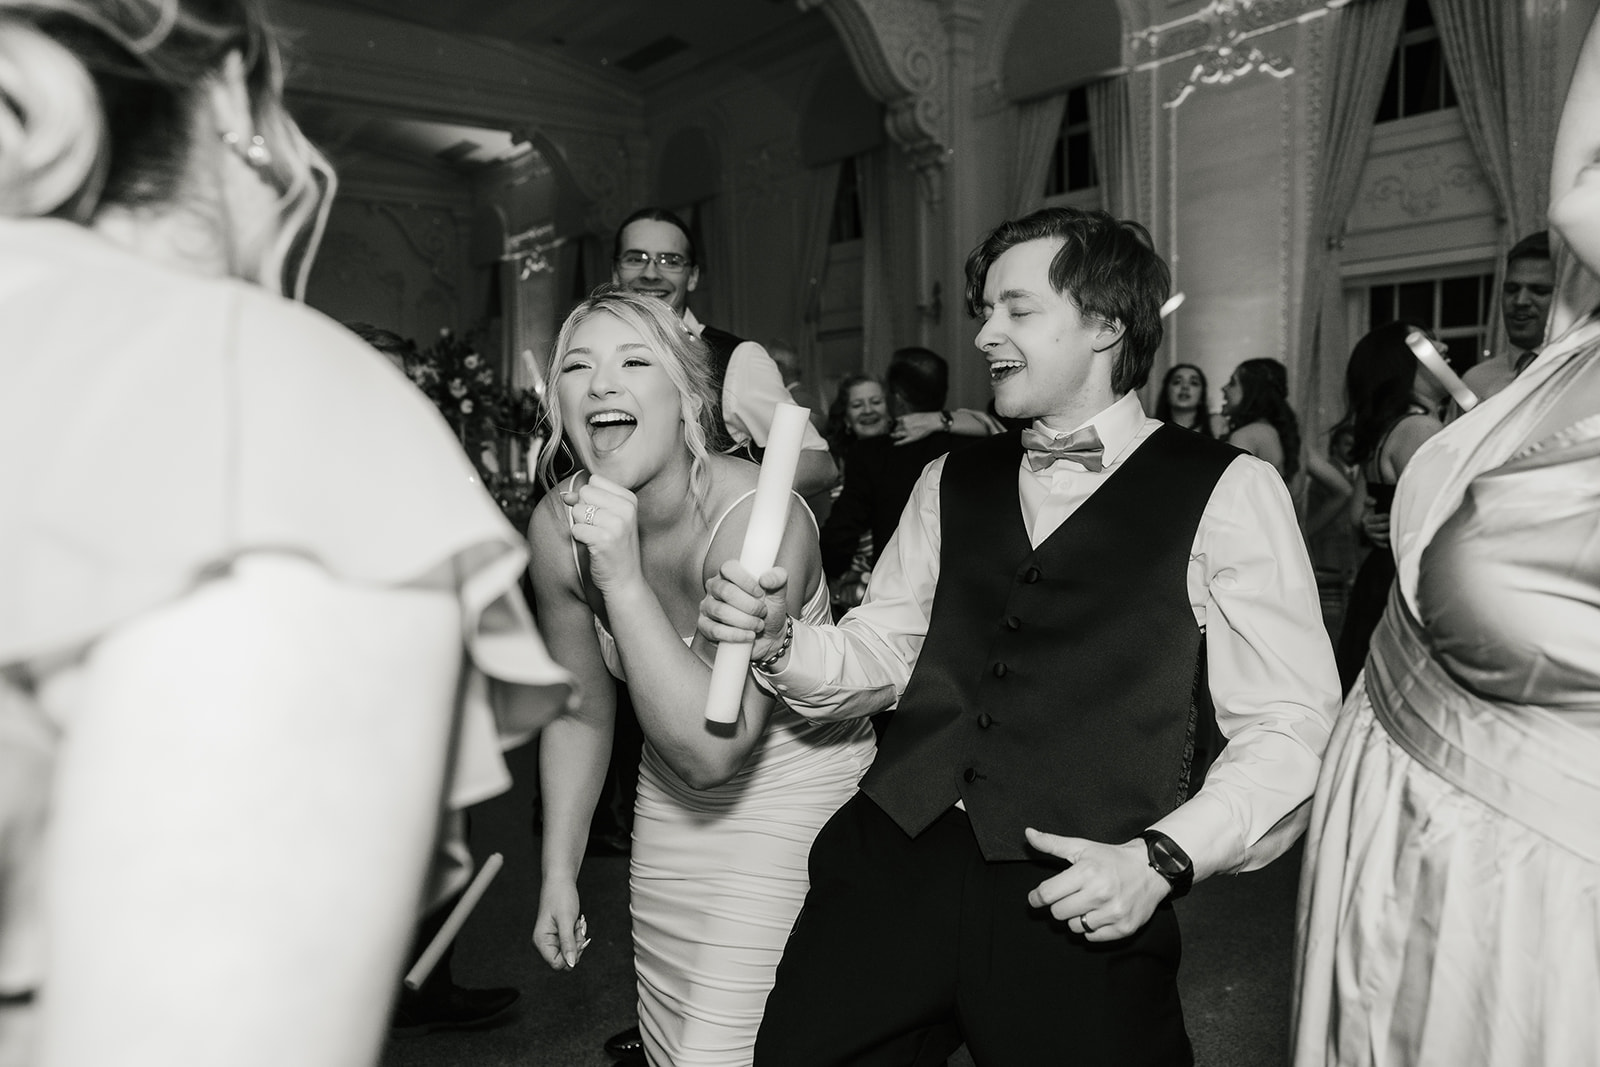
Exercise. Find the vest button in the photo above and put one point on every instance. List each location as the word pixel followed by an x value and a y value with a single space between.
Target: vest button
pixel 984 722
pixel 999 670
pixel 968 775
pixel 1031 575
pixel 1013 623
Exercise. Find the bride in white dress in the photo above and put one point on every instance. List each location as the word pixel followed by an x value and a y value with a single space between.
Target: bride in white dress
pixel 725 815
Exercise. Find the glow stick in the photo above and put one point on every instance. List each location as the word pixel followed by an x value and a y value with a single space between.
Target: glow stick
pixel 768 518
pixel 1430 357
pixel 1173 304
pixel 452 925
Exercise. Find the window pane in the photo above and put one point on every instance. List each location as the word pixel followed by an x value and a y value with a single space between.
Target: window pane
pixel 1423 88
pixel 846 206
pixel 1458 301
pixel 1055 182
pixel 1380 306
pixel 1080 164
pixel 1078 107
pixel 1416 303
pixel 1389 103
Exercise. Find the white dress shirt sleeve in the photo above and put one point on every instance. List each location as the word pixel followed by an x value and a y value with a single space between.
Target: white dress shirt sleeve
pixel 861 666
pixel 751 392
pixel 1271 670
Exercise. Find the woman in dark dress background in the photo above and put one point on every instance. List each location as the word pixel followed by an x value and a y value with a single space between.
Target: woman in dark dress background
pixel 1393 403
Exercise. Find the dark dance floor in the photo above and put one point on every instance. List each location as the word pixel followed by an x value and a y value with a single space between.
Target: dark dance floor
pixel 1238 938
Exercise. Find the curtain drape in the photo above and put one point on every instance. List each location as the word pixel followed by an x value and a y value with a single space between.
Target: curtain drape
pixel 888 256
pixel 1038 127
pixel 1361 45
pixel 1500 70
pixel 818 188
pixel 1115 142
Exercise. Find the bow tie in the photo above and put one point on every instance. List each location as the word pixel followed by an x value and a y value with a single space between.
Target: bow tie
pixel 1081 446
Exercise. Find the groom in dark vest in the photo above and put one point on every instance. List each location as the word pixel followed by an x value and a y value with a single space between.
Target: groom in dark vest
pixel 1072 620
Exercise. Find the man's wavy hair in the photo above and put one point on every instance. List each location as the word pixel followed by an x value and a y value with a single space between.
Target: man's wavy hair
pixel 1107 267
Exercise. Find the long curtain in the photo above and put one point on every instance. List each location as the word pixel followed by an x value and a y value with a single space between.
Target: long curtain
pixel 1507 101
pixel 1116 149
pixel 1038 127
pixel 1500 71
pixel 888 193
pixel 1362 37
pixel 819 187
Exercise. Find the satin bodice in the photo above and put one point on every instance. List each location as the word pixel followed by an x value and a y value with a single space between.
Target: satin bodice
pixel 1508 589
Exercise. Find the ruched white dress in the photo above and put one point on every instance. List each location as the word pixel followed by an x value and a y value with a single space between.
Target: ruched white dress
pixel 718 875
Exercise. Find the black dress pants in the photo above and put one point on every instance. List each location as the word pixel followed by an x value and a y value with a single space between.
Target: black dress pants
pixel 908 946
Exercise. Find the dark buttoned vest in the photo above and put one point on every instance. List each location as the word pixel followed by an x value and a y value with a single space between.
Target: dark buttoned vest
pixel 1061 687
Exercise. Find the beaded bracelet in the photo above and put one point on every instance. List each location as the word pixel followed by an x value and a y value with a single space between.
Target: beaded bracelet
pixel 783 647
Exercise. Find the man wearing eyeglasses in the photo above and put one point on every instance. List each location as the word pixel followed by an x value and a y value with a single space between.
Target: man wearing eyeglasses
pixel 655 255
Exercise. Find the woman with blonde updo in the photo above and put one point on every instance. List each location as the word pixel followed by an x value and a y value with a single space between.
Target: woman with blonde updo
pixel 256 612
pixel 725 815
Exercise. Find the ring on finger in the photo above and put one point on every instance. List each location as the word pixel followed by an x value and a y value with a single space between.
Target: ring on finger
pixel 1084 921
pixel 588 515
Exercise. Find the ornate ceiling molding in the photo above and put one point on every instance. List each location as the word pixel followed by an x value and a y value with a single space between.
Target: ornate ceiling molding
pixel 898 49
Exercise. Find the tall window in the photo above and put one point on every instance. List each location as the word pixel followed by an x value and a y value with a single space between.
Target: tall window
pixel 1418 79
pixel 1072 163
pixel 1456 308
pixel 846 223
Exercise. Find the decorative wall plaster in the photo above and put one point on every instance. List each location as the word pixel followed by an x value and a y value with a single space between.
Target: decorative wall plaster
pixel 898 48
pixel 1220 23
pixel 431 234
pixel 1224 66
pixel 600 165
pixel 1420 188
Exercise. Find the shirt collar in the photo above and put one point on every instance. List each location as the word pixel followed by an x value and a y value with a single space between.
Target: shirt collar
pixel 692 324
pixel 1117 425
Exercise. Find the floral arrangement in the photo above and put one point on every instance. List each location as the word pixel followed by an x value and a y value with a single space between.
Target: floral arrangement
pixel 494 422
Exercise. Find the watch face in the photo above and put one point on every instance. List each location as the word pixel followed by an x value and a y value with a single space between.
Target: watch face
pixel 1167 863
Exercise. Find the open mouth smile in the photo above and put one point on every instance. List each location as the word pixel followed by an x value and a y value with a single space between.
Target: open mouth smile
pixel 608 430
pixel 1001 369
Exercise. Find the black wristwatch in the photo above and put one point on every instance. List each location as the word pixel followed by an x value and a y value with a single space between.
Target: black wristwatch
pixel 1170 862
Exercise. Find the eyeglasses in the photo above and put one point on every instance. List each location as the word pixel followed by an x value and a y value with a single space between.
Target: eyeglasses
pixel 634 259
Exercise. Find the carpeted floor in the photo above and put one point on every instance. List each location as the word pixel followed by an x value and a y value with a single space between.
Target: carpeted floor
pixel 1238 940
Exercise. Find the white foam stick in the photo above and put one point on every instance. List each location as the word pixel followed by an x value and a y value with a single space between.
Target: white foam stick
pixel 1430 357
pixel 768 518
pixel 1173 303
pixel 452 924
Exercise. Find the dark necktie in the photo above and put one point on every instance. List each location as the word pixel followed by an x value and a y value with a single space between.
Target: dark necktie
pixel 1081 446
pixel 1523 359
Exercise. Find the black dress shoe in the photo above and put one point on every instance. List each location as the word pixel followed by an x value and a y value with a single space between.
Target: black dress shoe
pixel 627 1045
pixel 457 1009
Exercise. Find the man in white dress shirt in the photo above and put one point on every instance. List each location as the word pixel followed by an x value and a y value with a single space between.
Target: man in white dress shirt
pixel 1071 621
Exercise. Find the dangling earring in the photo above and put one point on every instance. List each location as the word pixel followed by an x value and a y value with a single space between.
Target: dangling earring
pixel 256 154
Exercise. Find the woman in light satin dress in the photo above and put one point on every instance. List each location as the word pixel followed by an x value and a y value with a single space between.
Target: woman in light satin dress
pixel 725 816
pixel 1450 903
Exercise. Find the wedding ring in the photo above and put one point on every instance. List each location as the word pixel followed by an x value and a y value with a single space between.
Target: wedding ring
pixel 1084 919
pixel 588 515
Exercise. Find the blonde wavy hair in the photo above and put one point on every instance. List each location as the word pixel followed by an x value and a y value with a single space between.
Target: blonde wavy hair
pixel 96 106
pixel 684 357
